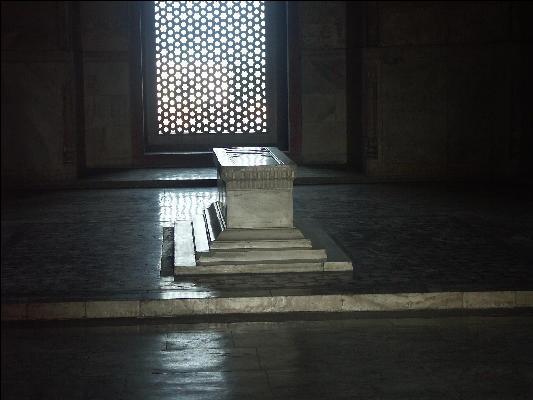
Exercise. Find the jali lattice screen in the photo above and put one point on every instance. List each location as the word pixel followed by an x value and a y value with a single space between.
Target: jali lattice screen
pixel 210 66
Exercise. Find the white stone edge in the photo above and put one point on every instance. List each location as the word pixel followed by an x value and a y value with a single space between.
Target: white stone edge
pixel 269 304
pixel 274 267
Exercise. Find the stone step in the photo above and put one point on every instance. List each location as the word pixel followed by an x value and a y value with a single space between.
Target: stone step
pixel 256 268
pixel 250 268
pixel 261 244
pixel 183 244
pixel 261 234
pixel 281 256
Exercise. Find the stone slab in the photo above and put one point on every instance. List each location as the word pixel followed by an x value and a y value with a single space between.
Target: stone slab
pixel 402 301
pixel 173 307
pixel 259 208
pixel 183 244
pixel 63 310
pixel 112 309
pixel 261 234
pixel 261 244
pixel 489 299
pixel 201 241
pixel 261 256
pixel 308 303
pixel 264 303
pixel 253 268
pixel 237 157
pixel 524 299
pixel 243 305
pixel 332 266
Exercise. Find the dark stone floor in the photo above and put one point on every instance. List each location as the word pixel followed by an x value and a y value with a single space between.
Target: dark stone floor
pixel 429 237
pixel 388 357
pixel 106 244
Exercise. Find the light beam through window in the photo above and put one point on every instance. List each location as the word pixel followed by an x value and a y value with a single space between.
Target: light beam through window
pixel 210 67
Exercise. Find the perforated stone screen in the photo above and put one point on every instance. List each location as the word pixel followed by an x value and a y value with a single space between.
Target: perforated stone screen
pixel 210 67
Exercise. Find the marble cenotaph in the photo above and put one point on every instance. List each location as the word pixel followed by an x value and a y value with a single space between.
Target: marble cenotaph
pixel 250 228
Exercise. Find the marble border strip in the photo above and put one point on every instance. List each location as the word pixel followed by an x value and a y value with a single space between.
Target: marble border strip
pixel 266 304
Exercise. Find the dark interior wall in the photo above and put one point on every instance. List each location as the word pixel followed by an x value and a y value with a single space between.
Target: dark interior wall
pixel 105 41
pixel 323 81
pixel 65 89
pixel 38 92
pixel 397 88
pixel 443 84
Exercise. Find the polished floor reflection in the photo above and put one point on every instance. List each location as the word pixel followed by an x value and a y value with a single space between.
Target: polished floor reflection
pixel 385 357
pixel 184 204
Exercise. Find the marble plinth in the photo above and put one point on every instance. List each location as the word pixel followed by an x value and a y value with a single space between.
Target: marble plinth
pixel 250 229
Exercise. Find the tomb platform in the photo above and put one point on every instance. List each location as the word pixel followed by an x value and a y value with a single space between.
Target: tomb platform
pixel 250 229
